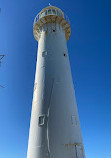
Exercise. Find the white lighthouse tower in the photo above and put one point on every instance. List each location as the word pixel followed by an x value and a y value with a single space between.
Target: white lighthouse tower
pixel 54 128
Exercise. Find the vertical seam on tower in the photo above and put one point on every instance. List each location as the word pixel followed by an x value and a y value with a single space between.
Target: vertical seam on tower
pixel 76 151
pixel 48 112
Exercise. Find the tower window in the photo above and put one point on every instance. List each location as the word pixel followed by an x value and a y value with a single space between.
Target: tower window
pixel 35 86
pixel 49 11
pixel 44 53
pixel 41 120
pixel 53 11
pixel 57 13
pixel 73 120
pixel 45 12
pixel 65 55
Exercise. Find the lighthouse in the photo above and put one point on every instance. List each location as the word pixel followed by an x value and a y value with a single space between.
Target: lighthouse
pixel 54 126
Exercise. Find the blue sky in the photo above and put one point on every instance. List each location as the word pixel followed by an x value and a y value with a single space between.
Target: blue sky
pixel 90 53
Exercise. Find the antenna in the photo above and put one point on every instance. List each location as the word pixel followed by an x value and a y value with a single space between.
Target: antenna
pixel 1 57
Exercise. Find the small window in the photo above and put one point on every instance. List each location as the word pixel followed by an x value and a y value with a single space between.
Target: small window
pixel 46 12
pixel 53 11
pixel 41 120
pixel 44 53
pixel 61 15
pixel 58 13
pixel 65 55
pixel 35 86
pixel 49 11
pixel 73 120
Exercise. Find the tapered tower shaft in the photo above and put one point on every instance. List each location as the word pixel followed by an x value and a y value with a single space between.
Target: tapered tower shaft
pixel 54 128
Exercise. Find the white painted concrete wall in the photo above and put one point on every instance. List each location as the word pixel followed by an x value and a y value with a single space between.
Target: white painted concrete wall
pixel 54 100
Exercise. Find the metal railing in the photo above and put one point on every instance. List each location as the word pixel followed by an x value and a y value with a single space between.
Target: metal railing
pixel 39 17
